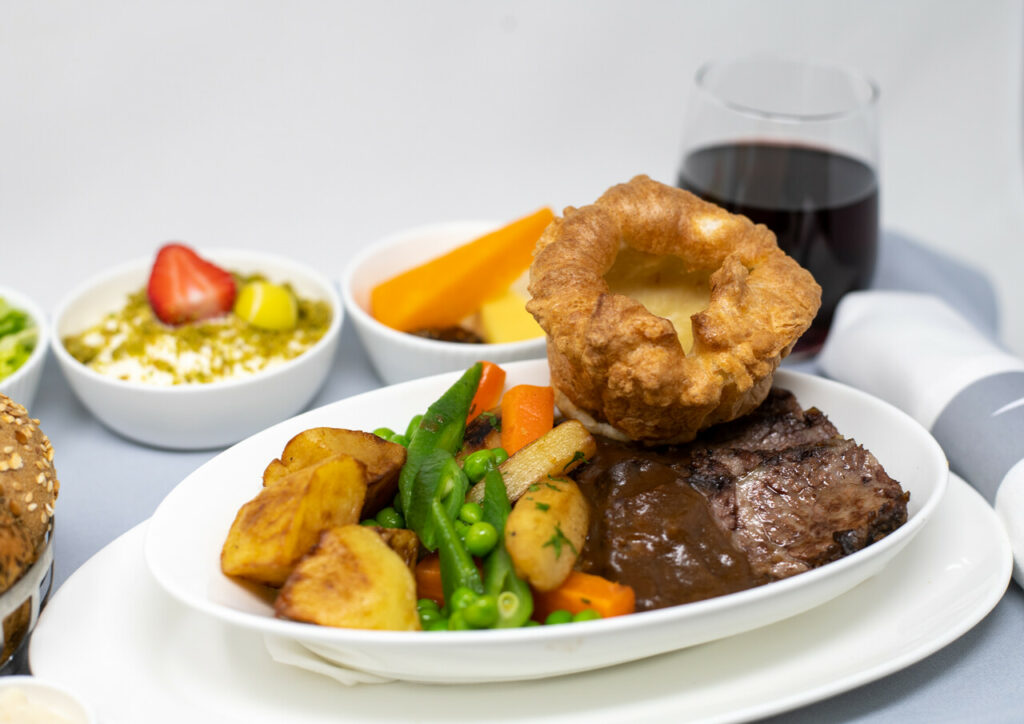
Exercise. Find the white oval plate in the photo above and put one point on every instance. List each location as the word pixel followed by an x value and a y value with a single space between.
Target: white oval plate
pixel 185 536
pixel 139 656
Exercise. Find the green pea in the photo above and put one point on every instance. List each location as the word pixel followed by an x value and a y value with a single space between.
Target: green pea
pixel 399 440
pixel 390 518
pixel 587 614
pixel 500 455
pixel 471 513
pixel 462 528
pixel 425 603
pixel 397 504
pixel 369 522
pixel 440 624
pixel 481 539
pixel 384 432
pixel 457 622
pixel 428 616
pixel 461 598
pixel 482 613
pixel 557 617
pixel 413 426
pixel 475 465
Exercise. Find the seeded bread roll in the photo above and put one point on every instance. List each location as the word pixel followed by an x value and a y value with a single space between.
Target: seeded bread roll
pixel 28 482
pixel 17 549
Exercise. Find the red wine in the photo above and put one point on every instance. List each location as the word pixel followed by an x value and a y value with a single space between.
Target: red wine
pixel 822 206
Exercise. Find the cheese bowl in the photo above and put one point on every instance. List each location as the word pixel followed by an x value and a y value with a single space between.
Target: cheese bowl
pixel 398 356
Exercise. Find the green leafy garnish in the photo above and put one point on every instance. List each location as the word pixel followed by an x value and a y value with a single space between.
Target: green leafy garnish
pixel 578 455
pixel 556 541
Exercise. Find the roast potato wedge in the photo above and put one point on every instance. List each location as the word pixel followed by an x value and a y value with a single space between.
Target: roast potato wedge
pixel 546 530
pixel 284 521
pixel 556 453
pixel 352 579
pixel 383 460
pixel 402 541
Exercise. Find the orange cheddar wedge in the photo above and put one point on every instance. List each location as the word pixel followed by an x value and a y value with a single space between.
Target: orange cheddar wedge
pixel 447 289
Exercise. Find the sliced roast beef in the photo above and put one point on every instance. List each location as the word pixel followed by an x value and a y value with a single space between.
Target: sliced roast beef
pixel 812 504
pixel 762 498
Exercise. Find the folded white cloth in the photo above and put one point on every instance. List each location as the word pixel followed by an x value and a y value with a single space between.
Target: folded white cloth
pixel 916 352
pixel 304 656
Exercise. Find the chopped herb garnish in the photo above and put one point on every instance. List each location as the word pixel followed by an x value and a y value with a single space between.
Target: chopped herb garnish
pixel 493 420
pixel 556 541
pixel 543 506
pixel 578 455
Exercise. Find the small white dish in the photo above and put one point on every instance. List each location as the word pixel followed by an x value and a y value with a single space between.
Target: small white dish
pixel 397 356
pixel 46 696
pixel 196 416
pixel 22 385
pixel 206 502
pixel 184 665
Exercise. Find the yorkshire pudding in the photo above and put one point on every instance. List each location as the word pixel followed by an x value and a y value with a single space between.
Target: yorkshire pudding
pixel 613 285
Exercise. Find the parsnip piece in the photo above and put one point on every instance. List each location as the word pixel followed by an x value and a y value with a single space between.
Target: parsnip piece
pixel 352 579
pixel 557 453
pixel 284 521
pixel 546 530
pixel 383 460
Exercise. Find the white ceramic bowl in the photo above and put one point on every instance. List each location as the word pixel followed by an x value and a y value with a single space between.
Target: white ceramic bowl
pixel 55 699
pixel 196 416
pixel 397 356
pixel 206 502
pixel 22 385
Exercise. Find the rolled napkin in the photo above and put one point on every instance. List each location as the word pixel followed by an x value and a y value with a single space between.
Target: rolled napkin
pixel 916 352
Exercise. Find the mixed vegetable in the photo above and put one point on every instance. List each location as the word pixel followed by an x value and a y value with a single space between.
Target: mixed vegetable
pixel 470 579
pixel 18 337
pixel 466 519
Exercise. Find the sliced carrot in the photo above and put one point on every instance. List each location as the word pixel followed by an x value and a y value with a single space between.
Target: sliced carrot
pixel 527 412
pixel 428 579
pixel 447 289
pixel 581 591
pixel 488 392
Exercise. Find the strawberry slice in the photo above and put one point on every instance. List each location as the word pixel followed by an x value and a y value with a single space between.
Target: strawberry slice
pixel 184 287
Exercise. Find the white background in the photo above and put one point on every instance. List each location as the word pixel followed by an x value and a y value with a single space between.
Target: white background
pixel 314 128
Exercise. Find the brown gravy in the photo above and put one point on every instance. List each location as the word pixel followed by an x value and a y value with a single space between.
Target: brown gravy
pixel 650 529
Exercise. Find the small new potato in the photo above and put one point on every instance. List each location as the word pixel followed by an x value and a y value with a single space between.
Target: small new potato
pixel 383 460
pixel 546 530
pixel 352 579
pixel 284 521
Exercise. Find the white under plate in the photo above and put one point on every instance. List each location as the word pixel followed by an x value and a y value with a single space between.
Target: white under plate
pixel 188 529
pixel 113 635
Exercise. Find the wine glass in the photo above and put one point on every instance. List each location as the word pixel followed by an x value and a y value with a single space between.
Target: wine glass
pixel 792 144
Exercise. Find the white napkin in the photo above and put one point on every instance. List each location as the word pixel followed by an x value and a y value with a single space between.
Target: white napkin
pixel 295 653
pixel 916 352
